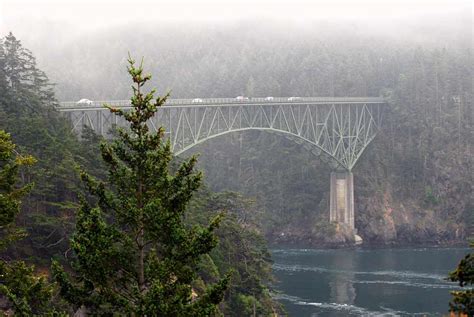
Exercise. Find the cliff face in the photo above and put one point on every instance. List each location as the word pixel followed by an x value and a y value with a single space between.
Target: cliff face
pixel 380 220
pixel 384 220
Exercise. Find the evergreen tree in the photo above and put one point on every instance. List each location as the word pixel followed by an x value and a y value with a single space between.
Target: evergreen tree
pixel 26 294
pixel 27 113
pixel 134 254
pixel 463 301
pixel 29 84
pixel 10 193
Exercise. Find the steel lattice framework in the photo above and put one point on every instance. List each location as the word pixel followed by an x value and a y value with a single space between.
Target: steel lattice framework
pixel 342 128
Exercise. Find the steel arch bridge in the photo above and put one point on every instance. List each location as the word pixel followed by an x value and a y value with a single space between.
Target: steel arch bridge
pixel 340 128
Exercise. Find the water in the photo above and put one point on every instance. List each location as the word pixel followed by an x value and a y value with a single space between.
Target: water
pixel 365 282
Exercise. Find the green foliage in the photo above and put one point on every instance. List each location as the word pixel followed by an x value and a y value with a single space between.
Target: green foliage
pixel 324 228
pixel 241 248
pixel 26 293
pixel 430 198
pixel 134 254
pixel 463 301
pixel 27 112
pixel 10 193
pixel 247 305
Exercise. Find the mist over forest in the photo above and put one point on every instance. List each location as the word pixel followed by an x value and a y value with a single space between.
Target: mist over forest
pixel 255 57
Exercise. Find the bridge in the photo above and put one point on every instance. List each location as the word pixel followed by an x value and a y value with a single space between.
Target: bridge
pixel 337 128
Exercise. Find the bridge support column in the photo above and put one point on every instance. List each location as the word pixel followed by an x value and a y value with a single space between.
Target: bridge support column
pixel 341 208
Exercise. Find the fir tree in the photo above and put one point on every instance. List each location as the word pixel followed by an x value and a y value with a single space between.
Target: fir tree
pixel 26 293
pixel 27 113
pixel 134 254
pixel 30 85
pixel 10 193
pixel 463 301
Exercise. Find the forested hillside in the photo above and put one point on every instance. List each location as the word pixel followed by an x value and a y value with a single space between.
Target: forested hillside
pixel 414 183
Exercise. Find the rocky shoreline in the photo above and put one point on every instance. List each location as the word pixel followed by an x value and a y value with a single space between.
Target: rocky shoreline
pixel 347 241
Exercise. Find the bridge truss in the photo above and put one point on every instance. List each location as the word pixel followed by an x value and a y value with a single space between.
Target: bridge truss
pixel 341 128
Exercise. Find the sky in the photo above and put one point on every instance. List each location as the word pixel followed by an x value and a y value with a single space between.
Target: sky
pixel 90 14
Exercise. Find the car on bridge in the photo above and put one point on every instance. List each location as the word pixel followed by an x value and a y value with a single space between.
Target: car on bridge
pixel 242 98
pixel 85 102
pixel 269 98
pixel 294 99
pixel 197 100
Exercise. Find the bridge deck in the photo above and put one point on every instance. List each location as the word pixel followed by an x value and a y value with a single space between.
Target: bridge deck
pixel 97 105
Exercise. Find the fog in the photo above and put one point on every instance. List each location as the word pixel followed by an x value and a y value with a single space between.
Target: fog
pixel 30 17
pixel 107 12
pixel 80 44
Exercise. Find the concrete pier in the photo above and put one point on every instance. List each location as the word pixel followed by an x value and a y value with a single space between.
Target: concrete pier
pixel 341 207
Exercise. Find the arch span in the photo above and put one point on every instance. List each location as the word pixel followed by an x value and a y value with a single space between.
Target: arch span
pixel 259 129
pixel 342 128
pixel 342 131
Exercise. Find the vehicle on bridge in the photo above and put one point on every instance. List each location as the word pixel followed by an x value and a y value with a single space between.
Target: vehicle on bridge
pixel 85 102
pixel 269 98
pixel 242 98
pixel 197 100
pixel 294 99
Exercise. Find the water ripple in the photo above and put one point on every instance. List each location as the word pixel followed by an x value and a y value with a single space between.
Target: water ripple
pixel 399 274
pixel 412 284
pixel 347 308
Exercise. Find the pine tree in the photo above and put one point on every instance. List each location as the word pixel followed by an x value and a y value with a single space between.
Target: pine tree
pixel 134 254
pixel 26 293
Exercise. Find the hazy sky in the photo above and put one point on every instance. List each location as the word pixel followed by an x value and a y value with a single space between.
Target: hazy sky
pixel 54 29
pixel 37 22
pixel 99 13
